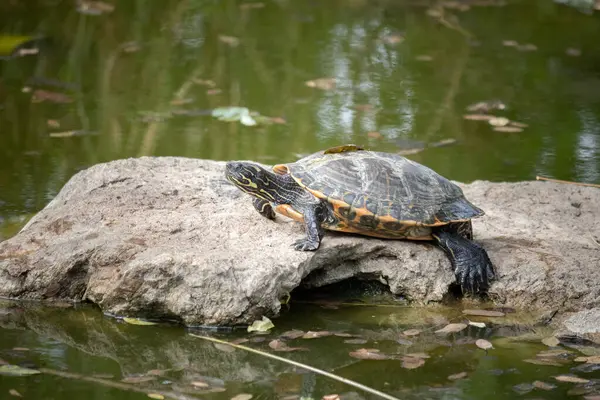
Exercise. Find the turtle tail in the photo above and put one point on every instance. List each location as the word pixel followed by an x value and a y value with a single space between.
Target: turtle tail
pixel 470 262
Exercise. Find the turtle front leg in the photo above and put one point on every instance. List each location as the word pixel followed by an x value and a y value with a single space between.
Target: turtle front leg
pixel 314 232
pixel 264 208
pixel 470 262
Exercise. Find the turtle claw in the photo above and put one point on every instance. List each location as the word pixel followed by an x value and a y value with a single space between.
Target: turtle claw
pixel 306 245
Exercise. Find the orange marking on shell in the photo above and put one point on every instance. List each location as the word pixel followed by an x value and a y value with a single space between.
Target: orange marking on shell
pixel 288 211
pixel 281 169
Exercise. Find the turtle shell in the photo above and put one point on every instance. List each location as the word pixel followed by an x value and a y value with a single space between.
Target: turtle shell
pixel 381 194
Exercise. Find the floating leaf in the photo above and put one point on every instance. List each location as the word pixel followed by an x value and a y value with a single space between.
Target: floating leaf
pixel 499 121
pixel 523 388
pixel 261 326
pixel 242 396
pixel 13 392
pixel 443 142
pixel 537 361
pixel 571 379
pixel 484 313
pixel 20 349
pixel 411 332
pixel 410 151
pixel 138 379
pixel 479 117
pixel 508 129
pixel 589 359
pixel 510 43
pixel 251 6
pixel 355 341
pixel 477 324
pixel 412 362
pixel 452 328
pixel 543 385
pixel 224 347
pixel 94 7
pixel 484 344
pixel 551 341
pixel 486 106
pixel 322 83
pixel 239 341
pixel 293 334
pixel 316 334
pixel 553 353
pixel 527 47
pixel 15 370
pixel 280 345
pixel 518 124
pixel 418 355
pixel 230 40
pixel 157 372
pixel 368 354
pixel 458 376
pixel 242 114
pixel 424 57
pixel 331 397
pixel 374 135
pixel 137 321
pixel 180 102
pixel 52 123
pixel 404 342
pixel 157 396
pixel 205 82
pixel 393 39
pixel 343 334
pixel 40 95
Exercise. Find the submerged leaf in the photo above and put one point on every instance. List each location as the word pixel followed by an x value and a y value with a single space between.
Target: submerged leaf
pixel 499 121
pixel 543 385
pixel 137 321
pixel 224 347
pixel 138 379
pixel 280 345
pixel 242 396
pixel 412 362
pixel 551 341
pixel 230 40
pixel 293 334
pixel 355 341
pixel 484 313
pixel 322 83
pixel 157 396
pixel 411 332
pixel 15 370
pixel 452 328
pixel 455 377
pixel 538 361
pixel 508 129
pixel 316 334
pixel 479 117
pixel 369 354
pixel 94 7
pixel 261 326
pixel 13 392
pixel 571 379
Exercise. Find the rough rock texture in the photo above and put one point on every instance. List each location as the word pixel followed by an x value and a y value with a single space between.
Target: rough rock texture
pixel 580 326
pixel 171 238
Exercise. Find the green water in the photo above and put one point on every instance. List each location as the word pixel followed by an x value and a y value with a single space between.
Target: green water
pixel 137 81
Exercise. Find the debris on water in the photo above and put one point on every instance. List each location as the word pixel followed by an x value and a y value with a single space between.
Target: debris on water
pixel 156 396
pixel 52 123
pixel 212 92
pixel 229 40
pixel 571 379
pixel 263 325
pixel 510 43
pixel 479 117
pixel 452 328
pixel 40 95
pixel 322 83
pixel 523 388
pixel 374 135
pixel 551 341
pixel 251 6
pixel 181 102
pixel 355 341
pixel 15 370
pixel 543 385
pixel 486 106
pixel 573 52
pixel 483 313
pixel 404 342
pixel 411 332
pixel 412 362
pixel 393 39
pixel 455 377
pixel 443 142
pixel 94 7
pixel 477 324
pixel 138 379
pixel 508 129
pixel 280 345
pixel 527 47
pixel 424 57
pixel 343 334
pixel 137 321
pixel 199 384
pixel 293 334
pixel 224 347
pixel 554 353
pixel 410 151
pixel 20 349
pixel 130 47
pixel 205 82
pixel 538 361
pixel 369 354
pixel 316 334
pixel 484 344
pixel 499 121
pixel 588 359
pixel 80 132
pixel 13 392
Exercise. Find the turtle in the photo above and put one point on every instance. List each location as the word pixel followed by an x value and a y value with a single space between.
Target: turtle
pixel 377 194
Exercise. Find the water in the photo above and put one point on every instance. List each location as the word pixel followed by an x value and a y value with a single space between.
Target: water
pixel 142 79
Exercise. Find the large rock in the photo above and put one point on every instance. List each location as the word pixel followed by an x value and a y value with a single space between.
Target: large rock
pixel 171 238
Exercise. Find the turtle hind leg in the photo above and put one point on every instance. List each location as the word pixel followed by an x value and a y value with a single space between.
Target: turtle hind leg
pixel 470 262
pixel 264 208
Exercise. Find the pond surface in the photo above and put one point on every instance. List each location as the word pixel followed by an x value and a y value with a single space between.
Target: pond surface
pixel 395 76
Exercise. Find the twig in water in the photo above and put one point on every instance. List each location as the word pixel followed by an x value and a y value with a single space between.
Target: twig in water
pixel 541 178
pixel 304 366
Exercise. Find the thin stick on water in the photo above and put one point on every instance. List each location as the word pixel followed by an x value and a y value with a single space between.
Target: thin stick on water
pixel 301 365
pixel 541 178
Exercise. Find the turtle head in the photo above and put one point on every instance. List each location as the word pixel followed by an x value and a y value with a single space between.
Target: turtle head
pixel 251 178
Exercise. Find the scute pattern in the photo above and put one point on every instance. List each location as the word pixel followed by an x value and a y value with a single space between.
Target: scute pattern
pixel 382 194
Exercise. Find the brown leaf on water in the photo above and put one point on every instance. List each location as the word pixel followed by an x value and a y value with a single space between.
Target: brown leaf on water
pixel 242 396
pixel 486 106
pixel 458 376
pixel 518 124
pixel 229 40
pixel 40 95
pixel 331 397
pixel 573 52
pixel 484 313
pixel 157 372
pixel 412 362
pixel 278 120
pixel 355 341
pixel 499 121
pixel 52 123
pixel 293 334
pixel 94 7
pixel 280 345
pixel 251 6
pixel 322 83
pixel 411 332
pixel 551 341
pixel 240 341
pixel 131 47
pixel 571 379
pixel 443 142
pixel 452 328
pixel 510 43
pixel 343 334
pixel 543 385
pixel 589 359
pixel 212 92
pixel 393 39
pixel 508 129
pixel 435 12
pixel 479 117
pixel 224 347
pixel 138 379
pixel 538 361
pixel 374 135
pixel 20 349
pixel 408 152
pixel 484 344
pixel 477 324
pixel 199 384
pixel 554 353
pixel 417 355
pixel 13 392
pixel 316 334
pixel 368 354
pixel 180 102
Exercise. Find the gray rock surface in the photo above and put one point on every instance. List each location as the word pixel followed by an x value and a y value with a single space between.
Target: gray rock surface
pixel 171 238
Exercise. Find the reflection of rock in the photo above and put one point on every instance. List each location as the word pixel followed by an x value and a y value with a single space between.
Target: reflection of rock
pixel 171 238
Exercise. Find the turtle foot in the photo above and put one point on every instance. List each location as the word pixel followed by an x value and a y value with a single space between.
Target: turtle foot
pixel 306 245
